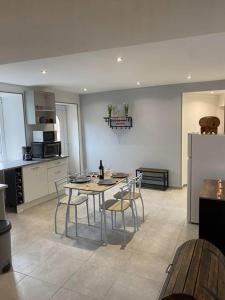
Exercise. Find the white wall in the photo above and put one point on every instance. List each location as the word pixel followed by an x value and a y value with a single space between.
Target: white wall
pixel 155 139
pixel 14 127
pixel 152 142
pixel 195 106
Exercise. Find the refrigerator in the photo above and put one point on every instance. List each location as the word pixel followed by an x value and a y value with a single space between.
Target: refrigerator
pixel 206 160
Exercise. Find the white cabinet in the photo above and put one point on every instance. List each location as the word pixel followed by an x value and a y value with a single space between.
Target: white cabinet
pixel 35 182
pixel 56 170
pixel 39 179
pixel 40 107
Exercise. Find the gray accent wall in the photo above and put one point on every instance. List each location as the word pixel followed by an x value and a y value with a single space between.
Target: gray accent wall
pixel 154 140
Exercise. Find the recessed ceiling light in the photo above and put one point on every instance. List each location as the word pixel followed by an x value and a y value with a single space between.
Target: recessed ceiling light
pixel 212 92
pixel 44 72
pixel 119 59
pixel 84 89
pixel 189 76
pixel 138 83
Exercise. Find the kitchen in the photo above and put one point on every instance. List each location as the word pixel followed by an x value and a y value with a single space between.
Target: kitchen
pixel 30 177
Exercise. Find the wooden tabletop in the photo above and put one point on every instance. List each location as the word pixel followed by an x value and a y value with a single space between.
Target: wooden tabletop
pixel 92 186
pixel 213 190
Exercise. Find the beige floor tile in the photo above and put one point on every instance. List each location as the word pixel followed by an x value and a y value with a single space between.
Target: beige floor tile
pixel 31 288
pixel 111 256
pixel 8 285
pixel 27 260
pixel 132 287
pixel 57 269
pixel 149 266
pixel 65 294
pixel 93 280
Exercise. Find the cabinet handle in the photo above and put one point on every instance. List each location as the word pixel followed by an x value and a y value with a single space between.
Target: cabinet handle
pixel 168 269
pixel 58 172
pixel 35 168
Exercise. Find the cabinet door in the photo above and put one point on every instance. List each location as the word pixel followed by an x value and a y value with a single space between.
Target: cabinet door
pixel 35 182
pixel 60 170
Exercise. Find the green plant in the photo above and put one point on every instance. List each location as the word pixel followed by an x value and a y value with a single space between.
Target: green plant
pixel 126 109
pixel 110 110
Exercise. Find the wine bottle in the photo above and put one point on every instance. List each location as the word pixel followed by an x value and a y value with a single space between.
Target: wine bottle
pixel 101 170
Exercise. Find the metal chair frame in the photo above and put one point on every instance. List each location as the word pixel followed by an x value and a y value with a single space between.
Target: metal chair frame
pixel 59 193
pixel 93 194
pixel 136 184
pixel 127 188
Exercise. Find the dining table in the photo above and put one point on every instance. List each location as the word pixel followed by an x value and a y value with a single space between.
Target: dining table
pixel 94 186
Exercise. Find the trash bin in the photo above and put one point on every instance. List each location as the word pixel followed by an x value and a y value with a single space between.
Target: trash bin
pixel 5 246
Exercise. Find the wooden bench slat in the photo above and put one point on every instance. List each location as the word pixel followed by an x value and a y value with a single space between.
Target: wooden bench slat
pixel 198 273
pixel 194 267
pixel 175 270
pixel 184 268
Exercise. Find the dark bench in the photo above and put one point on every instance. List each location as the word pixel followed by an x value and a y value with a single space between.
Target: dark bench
pixel 154 178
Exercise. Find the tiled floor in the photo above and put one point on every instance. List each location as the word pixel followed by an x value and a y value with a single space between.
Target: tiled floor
pixel 49 266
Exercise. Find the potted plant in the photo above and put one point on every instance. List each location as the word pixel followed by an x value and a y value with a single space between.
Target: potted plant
pixel 110 110
pixel 126 109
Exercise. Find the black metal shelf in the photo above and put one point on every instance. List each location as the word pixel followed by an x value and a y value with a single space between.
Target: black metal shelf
pixel 119 122
pixel 154 178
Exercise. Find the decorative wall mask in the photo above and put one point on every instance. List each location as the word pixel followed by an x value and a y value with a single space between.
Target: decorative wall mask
pixel 209 125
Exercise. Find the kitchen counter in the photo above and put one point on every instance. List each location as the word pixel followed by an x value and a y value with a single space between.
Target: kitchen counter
pixel 22 163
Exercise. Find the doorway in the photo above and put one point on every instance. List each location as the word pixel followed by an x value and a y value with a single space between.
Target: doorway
pixel 67 128
pixel 195 106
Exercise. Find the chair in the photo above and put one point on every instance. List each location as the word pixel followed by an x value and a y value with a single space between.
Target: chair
pixel 93 194
pixel 120 205
pixel 88 193
pixel 135 194
pixel 68 201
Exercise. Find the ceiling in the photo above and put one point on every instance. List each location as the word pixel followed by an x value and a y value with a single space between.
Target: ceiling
pixel 158 63
pixel 47 28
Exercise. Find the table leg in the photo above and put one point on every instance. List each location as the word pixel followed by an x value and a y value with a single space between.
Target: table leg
pixel 104 216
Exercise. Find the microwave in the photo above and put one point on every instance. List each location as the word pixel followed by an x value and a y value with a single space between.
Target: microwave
pixel 44 136
pixel 46 149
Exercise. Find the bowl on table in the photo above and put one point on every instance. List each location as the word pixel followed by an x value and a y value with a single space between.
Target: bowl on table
pixel 79 179
pixel 119 175
pixel 107 181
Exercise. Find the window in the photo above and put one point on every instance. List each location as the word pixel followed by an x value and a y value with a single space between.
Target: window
pixel 12 127
pixel 2 137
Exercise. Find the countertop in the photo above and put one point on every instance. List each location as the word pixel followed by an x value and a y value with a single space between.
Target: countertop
pixel 22 163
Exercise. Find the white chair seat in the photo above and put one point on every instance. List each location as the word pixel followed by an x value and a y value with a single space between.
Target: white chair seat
pixel 88 192
pixel 75 200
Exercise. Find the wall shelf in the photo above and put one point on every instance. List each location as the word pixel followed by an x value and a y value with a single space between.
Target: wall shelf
pixel 119 122
pixel 40 107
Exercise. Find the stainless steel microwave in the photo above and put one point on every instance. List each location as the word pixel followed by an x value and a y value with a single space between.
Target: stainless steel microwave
pixel 44 136
pixel 46 149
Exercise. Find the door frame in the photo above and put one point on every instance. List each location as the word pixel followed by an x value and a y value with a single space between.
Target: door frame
pixel 79 132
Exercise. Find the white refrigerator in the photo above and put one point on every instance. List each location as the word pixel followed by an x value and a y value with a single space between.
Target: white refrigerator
pixel 206 160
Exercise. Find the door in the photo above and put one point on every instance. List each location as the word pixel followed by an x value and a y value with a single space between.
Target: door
pixel 61 127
